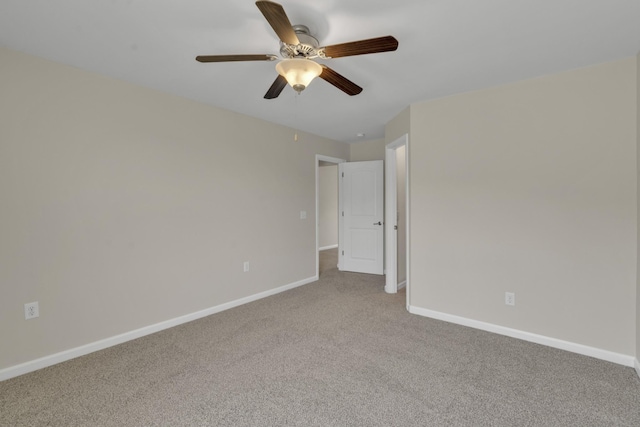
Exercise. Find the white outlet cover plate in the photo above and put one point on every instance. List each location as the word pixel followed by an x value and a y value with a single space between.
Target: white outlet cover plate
pixel 31 310
pixel 509 298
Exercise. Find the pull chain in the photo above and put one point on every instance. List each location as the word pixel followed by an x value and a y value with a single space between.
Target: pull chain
pixel 295 114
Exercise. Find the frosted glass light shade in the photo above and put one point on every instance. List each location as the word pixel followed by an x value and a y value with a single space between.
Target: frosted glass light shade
pixel 298 72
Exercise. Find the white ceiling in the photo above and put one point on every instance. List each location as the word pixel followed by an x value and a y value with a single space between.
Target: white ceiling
pixel 445 47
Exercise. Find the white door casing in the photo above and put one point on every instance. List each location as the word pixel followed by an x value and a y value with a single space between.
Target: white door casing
pixel 391 211
pixel 361 237
pixel 391 225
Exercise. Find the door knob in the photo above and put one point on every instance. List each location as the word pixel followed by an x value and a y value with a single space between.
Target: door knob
pixel 377 223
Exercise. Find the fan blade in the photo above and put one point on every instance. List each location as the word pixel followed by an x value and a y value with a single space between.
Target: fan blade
pixel 232 58
pixel 361 47
pixel 276 87
pixel 277 18
pixel 339 81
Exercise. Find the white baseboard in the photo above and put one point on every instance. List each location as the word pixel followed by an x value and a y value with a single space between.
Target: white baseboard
pixel 637 366
pixel 324 248
pixel 63 356
pixel 388 289
pixel 609 356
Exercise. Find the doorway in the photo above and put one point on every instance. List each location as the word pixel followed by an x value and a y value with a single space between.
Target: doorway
pixel 397 224
pixel 324 218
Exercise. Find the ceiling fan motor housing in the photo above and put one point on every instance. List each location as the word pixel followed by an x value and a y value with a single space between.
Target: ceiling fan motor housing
pixel 308 47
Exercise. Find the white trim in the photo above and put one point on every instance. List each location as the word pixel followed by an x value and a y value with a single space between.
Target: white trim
pixel 336 160
pixel 340 219
pixel 609 356
pixel 63 356
pixel 391 257
pixel 402 284
pixel 637 366
pixel 391 211
pixel 324 248
pixel 407 156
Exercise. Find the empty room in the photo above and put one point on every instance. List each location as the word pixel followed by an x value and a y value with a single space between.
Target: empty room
pixel 325 213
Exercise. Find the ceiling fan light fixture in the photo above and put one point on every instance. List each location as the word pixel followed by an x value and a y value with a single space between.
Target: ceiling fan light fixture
pixel 298 72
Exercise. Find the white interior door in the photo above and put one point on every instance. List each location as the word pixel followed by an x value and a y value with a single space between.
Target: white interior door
pixel 362 205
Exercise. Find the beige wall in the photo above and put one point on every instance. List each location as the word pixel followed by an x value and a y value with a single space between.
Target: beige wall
pixel 123 207
pixel 367 150
pixel 398 126
pixel 531 188
pixel 328 206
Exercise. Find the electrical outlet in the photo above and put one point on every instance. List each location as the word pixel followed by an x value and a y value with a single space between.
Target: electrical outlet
pixel 245 266
pixel 303 214
pixel 31 310
pixel 510 298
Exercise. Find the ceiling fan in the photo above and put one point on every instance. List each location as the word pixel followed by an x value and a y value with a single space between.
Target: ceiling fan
pixel 299 48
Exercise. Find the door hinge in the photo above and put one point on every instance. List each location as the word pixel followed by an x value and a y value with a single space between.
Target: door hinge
pixel 342 253
pixel 342 213
pixel 343 174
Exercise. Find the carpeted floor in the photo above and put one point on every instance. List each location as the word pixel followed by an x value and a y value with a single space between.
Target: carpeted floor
pixel 337 352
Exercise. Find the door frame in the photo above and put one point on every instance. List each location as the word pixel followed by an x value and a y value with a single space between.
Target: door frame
pixel 391 212
pixel 336 161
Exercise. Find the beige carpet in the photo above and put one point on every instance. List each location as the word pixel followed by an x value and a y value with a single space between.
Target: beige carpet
pixel 338 352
